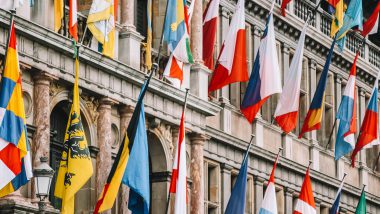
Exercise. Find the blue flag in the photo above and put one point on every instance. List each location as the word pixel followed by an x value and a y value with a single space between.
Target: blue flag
pixel 352 18
pixel 236 204
pixel 136 175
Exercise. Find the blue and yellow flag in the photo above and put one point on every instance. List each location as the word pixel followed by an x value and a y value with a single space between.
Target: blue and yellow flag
pixel 75 167
pixel 314 115
pixel 15 163
pixel 337 21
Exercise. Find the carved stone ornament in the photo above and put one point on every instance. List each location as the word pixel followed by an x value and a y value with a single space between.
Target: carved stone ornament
pixel 166 133
pixel 92 105
pixel 55 89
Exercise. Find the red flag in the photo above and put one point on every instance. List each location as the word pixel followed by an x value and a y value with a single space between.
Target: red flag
pixel 283 6
pixel 371 26
pixel 73 20
pixel 305 203
pixel 210 18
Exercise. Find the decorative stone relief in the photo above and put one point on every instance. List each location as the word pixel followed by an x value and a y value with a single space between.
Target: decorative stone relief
pixel 164 130
pixel 114 137
pixel 92 105
pixel 55 88
pixel 28 103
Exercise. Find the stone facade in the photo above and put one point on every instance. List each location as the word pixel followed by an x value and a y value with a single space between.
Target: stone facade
pixel 216 132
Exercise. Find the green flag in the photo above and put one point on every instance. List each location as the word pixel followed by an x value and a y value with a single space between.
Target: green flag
pixel 361 208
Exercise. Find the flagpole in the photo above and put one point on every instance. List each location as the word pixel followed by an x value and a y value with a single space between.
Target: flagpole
pixel 13 12
pixel 331 133
pixel 278 153
pixel 183 109
pixel 377 161
pixel 248 148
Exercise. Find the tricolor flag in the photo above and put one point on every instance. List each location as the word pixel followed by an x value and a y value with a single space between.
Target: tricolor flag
pixel 15 163
pixel 269 204
pixel 75 167
pixel 101 23
pixel 73 19
pixel 136 133
pixel 352 18
pixel 337 21
pixel 232 61
pixel 335 207
pixel 362 205
pixel 58 14
pixel 305 203
pixel 369 131
pixel 314 115
pixel 178 182
pixel 371 26
pixel 210 22
pixel 265 79
pixel 176 30
pixel 345 139
pixel 287 108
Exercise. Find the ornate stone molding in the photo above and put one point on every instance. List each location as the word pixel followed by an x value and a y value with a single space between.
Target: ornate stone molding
pixel 92 105
pixel 55 88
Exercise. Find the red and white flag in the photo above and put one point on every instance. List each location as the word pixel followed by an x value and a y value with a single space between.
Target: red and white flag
pixel 232 61
pixel 73 19
pixel 210 21
pixel 371 26
pixel 178 184
pixel 287 108
pixel 305 203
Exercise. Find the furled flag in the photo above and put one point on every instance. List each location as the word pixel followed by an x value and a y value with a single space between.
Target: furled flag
pixel 136 175
pixel 265 79
pixel 135 138
pixel 335 207
pixel 236 203
pixel 305 203
pixel 362 205
pixel 283 6
pixel 232 61
pixel 352 18
pixel 369 131
pixel 314 115
pixel 178 182
pixel 176 30
pixel 210 22
pixel 15 163
pixel 176 69
pixel 101 23
pixel 73 19
pixel 345 139
pixel 337 21
pixel 286 113
pixel 75 167
pixel 58 14
pixel 148 51
pixel 371 26
pixel 269 204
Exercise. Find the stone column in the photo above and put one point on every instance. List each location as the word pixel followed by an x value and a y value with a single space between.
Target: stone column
pixel 196 173
pixel 288 200
pixel 129 38
pixel 196 35
pixel 125 112
pixel 313 86
pixel 318 205
pixel 40 11
pixel 259 192
pixel 104 132
pixel 226 185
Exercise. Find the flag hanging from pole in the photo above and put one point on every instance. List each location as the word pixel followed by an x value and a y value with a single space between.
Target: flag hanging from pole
pixel 362 205
pixel 73 19
pixel 286 113
pixel 337 21
pixel 269 204
pixel 345 139
pixel 232 61
pixel 305 203
pixel 58 14
pixel 15 163
pixel 148 51
pixel 265 79
pixel 335 207
pixel 75 167
pixel 210 22
pixel 371 26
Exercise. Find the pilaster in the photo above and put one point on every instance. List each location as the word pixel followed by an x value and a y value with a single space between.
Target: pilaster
pixel 199 81
pixel 338 98
pixel 42 9
pixel 224 25
pixel 130 45
pixel 314 155
pixel 196 36
pixel 258 130
pixel 313 86
pixel 225 118
pixel 287 145
pixel 256 40
pixel 362 109
pixel 288 200
pixel 285 59
pixel 226 184
pixel 259 192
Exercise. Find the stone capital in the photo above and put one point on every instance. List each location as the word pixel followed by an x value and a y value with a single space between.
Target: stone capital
pixel 285 48
pixel 362 92
pixel 226 168
pixel 288 191
pixel 338 78
pixel 225 12
pixel 106 102
pixel 256 30
pixel 125 110
pixel 258 180
pixel 313 64
pixel 43 78
pixel 198 139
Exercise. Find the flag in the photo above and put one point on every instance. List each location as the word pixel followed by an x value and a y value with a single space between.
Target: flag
pixel 371 26
pixel 232 61
pixel 369 133
pixel 58 14
pixel 176 30
pixel 136 175
pixel 265 79
pixel 362 206
pixel 75 167
pixel 178 183
pixel 73 19
pixel 352 18
pixel 314 115
pixel 148 51
pixel 236 203
pixel 269 204
pixel 283 6
pixel 101 23
pixel 15 163
pixel 337 21
pixel 210 22
pixel 345 139
pixel 286 113
pixel 335 207
pixel 135 132
pixel 305 203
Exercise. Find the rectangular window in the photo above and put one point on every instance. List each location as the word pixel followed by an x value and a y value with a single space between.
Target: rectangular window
pixel 212 187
